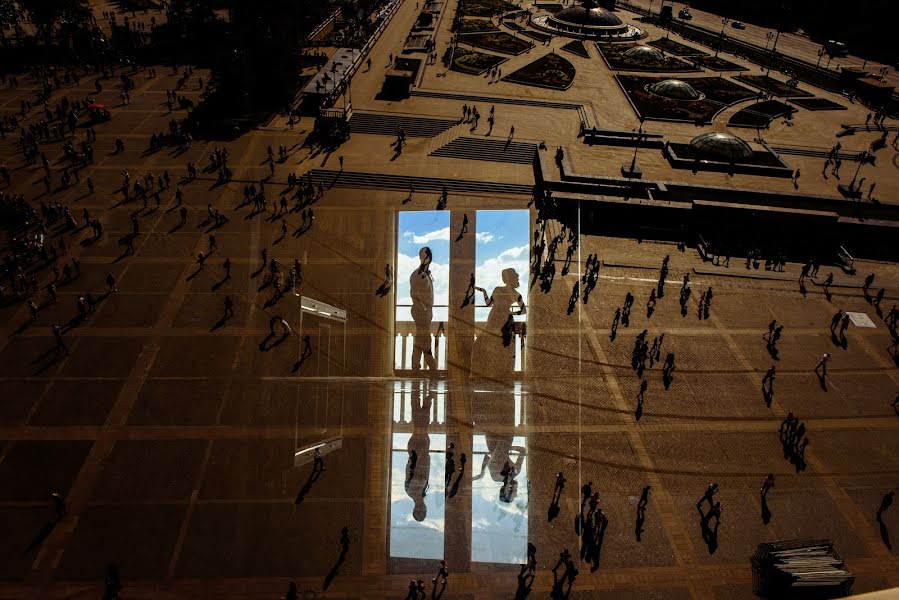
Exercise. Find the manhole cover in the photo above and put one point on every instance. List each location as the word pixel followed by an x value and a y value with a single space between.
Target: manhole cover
pixel 860 319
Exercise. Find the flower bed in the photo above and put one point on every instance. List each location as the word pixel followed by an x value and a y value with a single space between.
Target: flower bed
pixel 817 104
pixel 714 63
pixel 476 26
pixel 718 93
pixel 614 55
pixel 484 8
pixel 676 48
pixel 576 47
pixel 773 86
pixel 496 41
pixel 760 114
pixel 474 63
pixel 551 71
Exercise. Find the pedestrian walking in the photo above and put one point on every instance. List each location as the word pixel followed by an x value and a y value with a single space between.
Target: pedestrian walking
pixel 821 368
pixel 111 283
pixel 442 574
pixel 835 320
pixel 60 343
pixel 767 484
pixel 59 505
pixel 868 281
pixel 229 308
pixel 885 503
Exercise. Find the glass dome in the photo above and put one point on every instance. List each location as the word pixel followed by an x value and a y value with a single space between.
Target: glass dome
pixel 592 16
pixel 675 89
pixel 645 54
pixel 721 145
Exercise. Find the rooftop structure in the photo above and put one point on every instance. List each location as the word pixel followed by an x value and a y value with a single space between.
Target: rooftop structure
pixel 721 145
pixel 674 89
pixel 587 20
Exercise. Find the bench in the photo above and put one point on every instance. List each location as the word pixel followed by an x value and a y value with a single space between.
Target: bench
pixel 703 248
pixel 846 261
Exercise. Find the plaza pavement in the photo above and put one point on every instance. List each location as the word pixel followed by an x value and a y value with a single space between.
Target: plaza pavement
pixel 173 443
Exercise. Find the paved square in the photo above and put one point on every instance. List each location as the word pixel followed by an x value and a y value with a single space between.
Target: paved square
pixel 172 431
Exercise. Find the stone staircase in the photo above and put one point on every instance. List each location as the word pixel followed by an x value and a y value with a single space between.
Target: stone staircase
pixel 387 124
pixel 488 149
pixel 353 179
pixel 469 98
pixel 487 100
pixel 815 152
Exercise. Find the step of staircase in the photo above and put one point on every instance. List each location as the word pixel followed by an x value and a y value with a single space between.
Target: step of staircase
pixel 387 124
pixel 850 156
pixel 492 150
pixel 468 98
pixel 353 179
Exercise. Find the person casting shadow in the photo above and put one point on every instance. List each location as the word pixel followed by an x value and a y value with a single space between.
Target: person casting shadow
pixel 615 320
pixel 885 503
pixel 572 300
pixel 554 509
pixel 310 481
pixel 768 385
pixel 641 512
pixel 387 284
pixel 344 549
pixel 463 460
pixel 304 356
pixel 710 534
pixel 524 586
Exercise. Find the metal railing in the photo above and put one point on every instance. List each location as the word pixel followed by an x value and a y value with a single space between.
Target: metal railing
pixel 405 332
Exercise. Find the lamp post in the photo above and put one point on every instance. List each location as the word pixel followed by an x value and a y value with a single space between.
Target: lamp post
pixel 724 23
pixel 862 161
pixel 661 6
pixel 634 172
pixel 774 46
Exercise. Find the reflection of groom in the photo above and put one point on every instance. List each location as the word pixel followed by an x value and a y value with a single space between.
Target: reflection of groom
pixel 421 285
pixel 418 466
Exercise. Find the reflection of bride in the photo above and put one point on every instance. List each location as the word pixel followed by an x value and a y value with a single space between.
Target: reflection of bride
pixel 493 354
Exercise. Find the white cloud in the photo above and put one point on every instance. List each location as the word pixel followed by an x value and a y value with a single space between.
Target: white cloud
pixel 489 273
pixel 440 234
pixel 486 237
pixel 513 253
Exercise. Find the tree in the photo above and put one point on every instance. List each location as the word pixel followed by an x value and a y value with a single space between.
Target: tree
pixel 264 49
pixel 47 14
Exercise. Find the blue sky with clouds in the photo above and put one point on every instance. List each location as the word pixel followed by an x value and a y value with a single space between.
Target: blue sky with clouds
pixel 502 242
